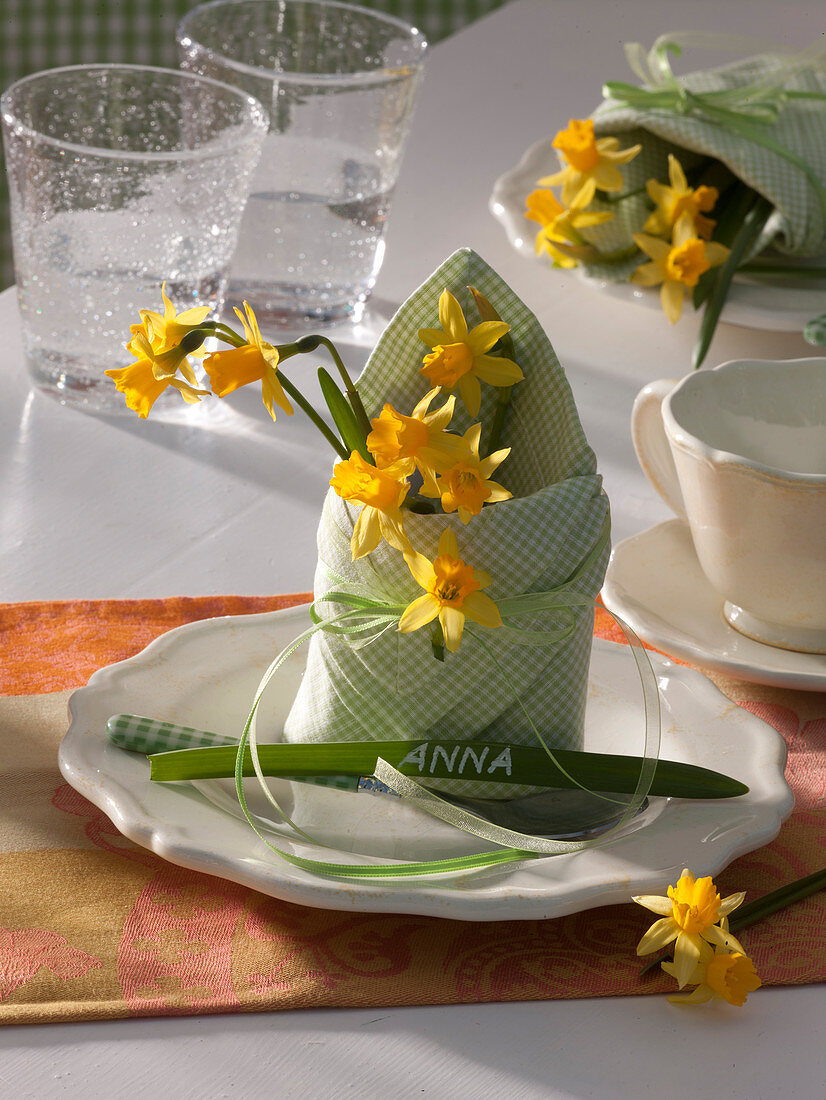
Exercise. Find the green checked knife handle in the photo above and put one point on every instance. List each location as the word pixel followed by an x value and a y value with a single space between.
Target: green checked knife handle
pixel 136 733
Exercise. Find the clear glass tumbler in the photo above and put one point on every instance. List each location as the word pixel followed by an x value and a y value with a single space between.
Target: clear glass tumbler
pixel 339 83
pixel 121 178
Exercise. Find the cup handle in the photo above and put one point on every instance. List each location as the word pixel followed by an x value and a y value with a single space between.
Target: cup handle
pixel 651 443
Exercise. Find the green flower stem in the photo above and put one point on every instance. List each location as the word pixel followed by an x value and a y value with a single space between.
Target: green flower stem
pixel 605 196
pixel 437 640
pixel 770 903
pixel 309 411
pixel 310 343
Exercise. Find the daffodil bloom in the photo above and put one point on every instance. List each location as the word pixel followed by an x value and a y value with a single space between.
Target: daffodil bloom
pixel 589 159
pixel 255 361
pixel 678 265
pixel 678 199
pixel 561 226
pixel 465 486
pixel 165 331
pixel 458 356
pixel 416 441
pixel 452 593
pixel 690 915
pixel 726 976
pixel 381 492
pixel 141 388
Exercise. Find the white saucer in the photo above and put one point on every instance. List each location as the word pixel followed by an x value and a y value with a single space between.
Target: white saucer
pixel 780 306
pixel 654 582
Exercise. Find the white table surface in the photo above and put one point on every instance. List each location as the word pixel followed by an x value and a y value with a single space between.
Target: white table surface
pixel 112 507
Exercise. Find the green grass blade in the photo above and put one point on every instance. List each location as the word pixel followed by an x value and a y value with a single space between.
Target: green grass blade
pixel 748 233
pixel 596 771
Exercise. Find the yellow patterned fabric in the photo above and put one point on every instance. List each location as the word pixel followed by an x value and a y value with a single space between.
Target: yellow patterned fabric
pixel 93 927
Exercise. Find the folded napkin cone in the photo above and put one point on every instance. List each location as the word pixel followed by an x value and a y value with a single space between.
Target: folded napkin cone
pixel 554 529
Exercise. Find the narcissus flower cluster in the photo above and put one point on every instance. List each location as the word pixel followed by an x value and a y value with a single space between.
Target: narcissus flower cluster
pixel 393 463
pixel 707 955
pixel 676 235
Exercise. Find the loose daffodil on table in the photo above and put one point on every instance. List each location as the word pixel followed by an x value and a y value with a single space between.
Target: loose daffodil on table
pixel 382 493
pixel 590 160
pixel 452 593
pixel 690 915
pixel 678 199
pixel 255 361
pixel 727 976
pixel 677 266
pixel 459 356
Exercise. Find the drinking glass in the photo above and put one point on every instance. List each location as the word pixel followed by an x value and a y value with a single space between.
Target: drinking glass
pixel 339 82
pixel 122 178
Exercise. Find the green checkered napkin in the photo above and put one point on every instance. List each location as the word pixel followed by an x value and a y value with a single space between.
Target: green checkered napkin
pixel 393 687
pixel 798 225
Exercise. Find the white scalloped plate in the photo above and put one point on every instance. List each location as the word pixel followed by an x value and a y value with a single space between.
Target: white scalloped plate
pixel 774 307
pixel 204 675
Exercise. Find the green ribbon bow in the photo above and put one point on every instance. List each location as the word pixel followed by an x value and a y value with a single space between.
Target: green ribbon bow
pixel 746 110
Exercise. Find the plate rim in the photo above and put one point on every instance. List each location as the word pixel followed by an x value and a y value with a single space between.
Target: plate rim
pixel 432 896
pixel 682 645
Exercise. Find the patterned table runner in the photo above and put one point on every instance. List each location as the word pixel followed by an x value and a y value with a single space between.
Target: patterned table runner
pixel 94 927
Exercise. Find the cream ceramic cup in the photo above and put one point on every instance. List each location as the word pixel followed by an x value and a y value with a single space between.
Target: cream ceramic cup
pixel 739 452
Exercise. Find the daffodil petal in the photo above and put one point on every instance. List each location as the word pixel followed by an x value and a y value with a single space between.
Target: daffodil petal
pixel 671 297
pixel 483 336
pixel 654 903
pixel 433 336
pixel 697 996
pixel 419 613
pixel 714 934
pixel 421 568
pixel 366 533
pixel 453 623
pixel 659 935
pixel 481 609
pixel 650 274
pixel 448 545
pixel 686 957
pixel 451 317
pixel 729 904
pixel 653 247
pixel 471 393
pixel 496 371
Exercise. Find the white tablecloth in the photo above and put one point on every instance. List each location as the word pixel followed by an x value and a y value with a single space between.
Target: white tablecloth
pixel 112 507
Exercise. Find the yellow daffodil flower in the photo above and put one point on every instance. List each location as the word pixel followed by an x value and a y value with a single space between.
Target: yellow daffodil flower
pixel 381 492
pixel 465 486
pixel 677 265
pixel 559 235
pixel 256 361
pixel 416 441
pixel 590 160
pixel 141 388
pixel 690 915
pixel 452 593
pixel 726 976
pixel 458 356
pixel 164 332
pixel 678 199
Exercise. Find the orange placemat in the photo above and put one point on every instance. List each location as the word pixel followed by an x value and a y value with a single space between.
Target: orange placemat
pixel 94 927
